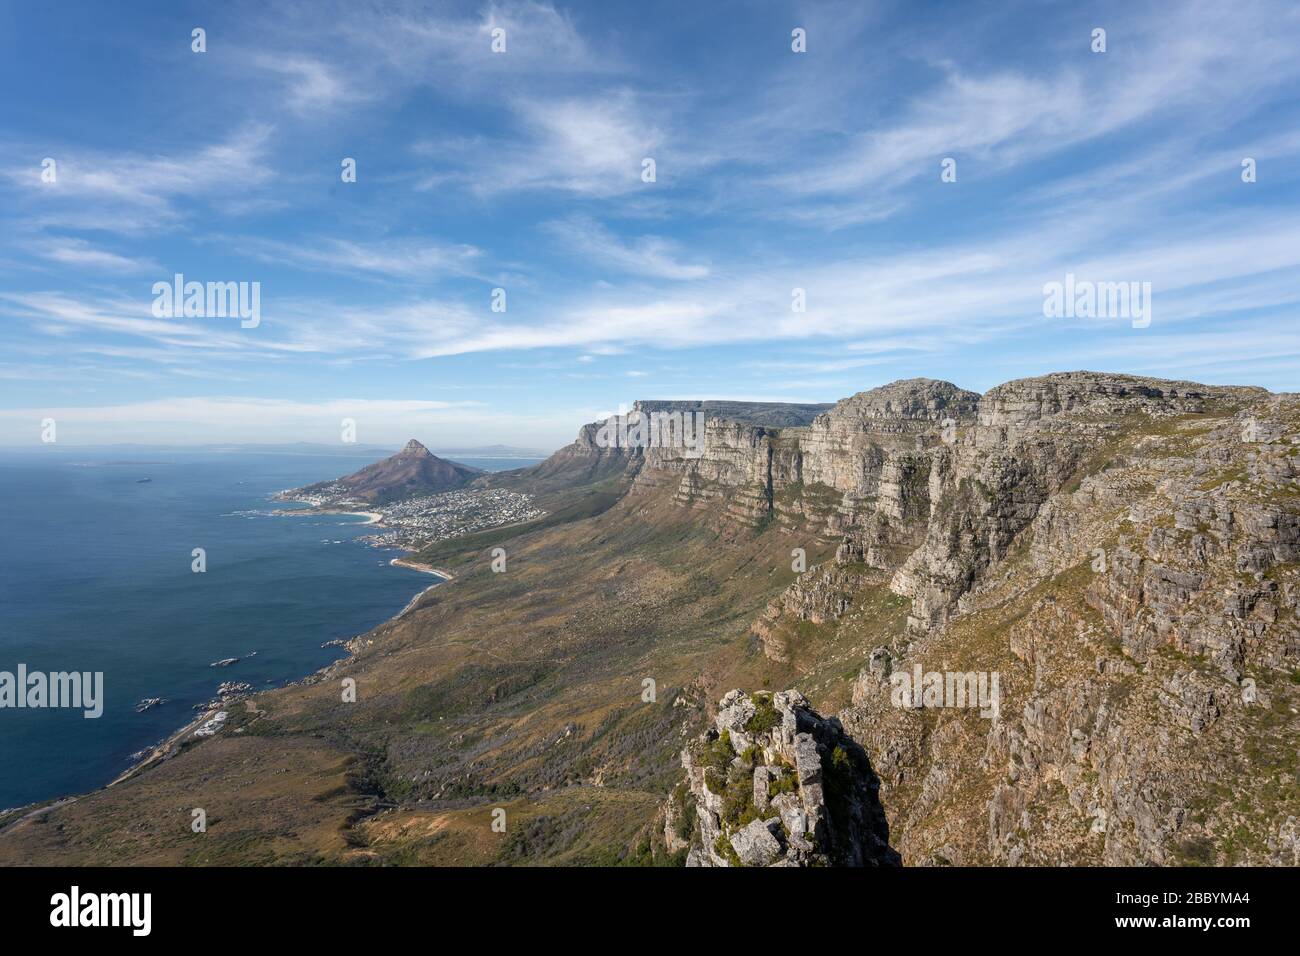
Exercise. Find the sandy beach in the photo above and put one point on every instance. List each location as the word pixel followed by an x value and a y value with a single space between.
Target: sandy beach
pixel 427 569
pixel 372 517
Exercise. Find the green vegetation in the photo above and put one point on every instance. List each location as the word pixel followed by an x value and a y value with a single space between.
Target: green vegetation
pixel 738 801
pixel 838 777
pixel 718 754
pixel 722 846
pixel 686 822
pixel 840 763
pixel 1194 851
pixel 786 783
pixel 715 781
pixel 765 716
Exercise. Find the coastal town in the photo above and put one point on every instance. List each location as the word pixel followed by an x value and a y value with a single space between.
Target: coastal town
pixel 412 522
pixel 449 515
pixel 330 494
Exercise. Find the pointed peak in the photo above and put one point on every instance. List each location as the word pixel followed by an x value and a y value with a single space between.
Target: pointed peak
pixel 413 447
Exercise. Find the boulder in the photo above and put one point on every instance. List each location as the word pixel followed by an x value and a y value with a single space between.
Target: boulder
pixel 755 843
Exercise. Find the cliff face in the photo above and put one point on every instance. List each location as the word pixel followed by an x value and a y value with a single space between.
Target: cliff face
pixel 1031 437
pixel 919 477
pixel 925 480
pixel 858 472
pixel 1124 552
pixel 603 449
pixel 581 462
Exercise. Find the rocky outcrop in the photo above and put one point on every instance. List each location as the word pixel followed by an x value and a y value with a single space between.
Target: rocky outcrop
pixel 858 474
pixel 821 595
pixel 925 480
pixel 729 465
pixel 1031 439
pixel 1025 401
pixel 919 478
pixel 867 444
pixel 776 784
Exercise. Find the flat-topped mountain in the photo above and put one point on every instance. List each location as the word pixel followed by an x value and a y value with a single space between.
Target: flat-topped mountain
pixel 591 458
pixel 412 471
pixel 771 414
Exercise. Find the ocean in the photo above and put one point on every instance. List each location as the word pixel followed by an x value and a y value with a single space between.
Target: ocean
pixel 95 575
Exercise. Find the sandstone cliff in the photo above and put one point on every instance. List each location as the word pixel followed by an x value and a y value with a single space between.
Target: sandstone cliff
pixel 1124 551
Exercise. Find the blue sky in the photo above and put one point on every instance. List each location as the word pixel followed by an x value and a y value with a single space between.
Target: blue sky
pixel 522 170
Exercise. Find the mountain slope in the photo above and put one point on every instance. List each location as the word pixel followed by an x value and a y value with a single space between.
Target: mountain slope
pixel 412 471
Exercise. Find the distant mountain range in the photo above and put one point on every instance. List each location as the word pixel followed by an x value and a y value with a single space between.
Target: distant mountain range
pixel 495 451
pixel 286 448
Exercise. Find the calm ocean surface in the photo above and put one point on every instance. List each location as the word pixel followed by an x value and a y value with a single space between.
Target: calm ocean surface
pixel 95 576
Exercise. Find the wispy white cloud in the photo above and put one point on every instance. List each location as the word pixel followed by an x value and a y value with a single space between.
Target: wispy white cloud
pixel 592 145
pixel 311 85
pixel 148 180
pixel 408 43
pixel 83 254
pixel 61 314
pixel 932 298
pixel 326 59
pixel 651 256
pixel 423 259
pixel 1181 65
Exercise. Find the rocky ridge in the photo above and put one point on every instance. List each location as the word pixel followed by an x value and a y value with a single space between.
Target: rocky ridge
pixel 1126 551
pixel 773 783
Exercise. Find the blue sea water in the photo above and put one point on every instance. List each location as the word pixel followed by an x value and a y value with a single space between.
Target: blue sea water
pixel 95 575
